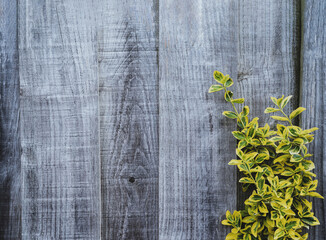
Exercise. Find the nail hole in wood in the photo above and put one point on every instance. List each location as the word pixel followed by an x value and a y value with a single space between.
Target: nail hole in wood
pixel 132 179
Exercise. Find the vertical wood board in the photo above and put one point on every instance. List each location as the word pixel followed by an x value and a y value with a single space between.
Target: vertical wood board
pixel 128 95
pixel 10 198
pixel 196 186
pixel 313 92
pixel 59 120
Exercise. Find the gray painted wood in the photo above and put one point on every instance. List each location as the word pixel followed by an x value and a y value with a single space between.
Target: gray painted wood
pixel 128 77
pixel 268 58
pixel 196 185
pixel 313 97
pixel 10 212
pixel 59 120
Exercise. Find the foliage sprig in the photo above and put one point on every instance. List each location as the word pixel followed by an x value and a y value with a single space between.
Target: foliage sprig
pixel 276 163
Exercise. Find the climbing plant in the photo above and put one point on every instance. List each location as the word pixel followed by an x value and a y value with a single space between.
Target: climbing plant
pixel 276 164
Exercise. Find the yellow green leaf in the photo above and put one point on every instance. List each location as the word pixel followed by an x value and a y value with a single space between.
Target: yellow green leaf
pixel 254 228
pixel 246 180
pixel 232 236
pixel 262 207
pixel 315 194
pixel 270 110
pixel 293 223
pixel 282 158
pixel 238 135
pixel 296 112
pixel 235 162
pixel 285 101
pixel 249 219
pixel 215 88
pixel 226 222
pixel 228 96
pixel 238 100
pixel 228 82
pixel 218 76
pixel 280 118
pixel 230 114
pixel 312 221
pixel 274 100
pixel 279 233
pixel 245 110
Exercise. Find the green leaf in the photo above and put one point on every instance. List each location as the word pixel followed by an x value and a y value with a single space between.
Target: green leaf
pixel 280 118
pixel 312 221
pixel 285 101
pixel 282 158
pixel 274 100
pixel 292 223
pixel 309 130
pixel 296 158
pixel 279 233
pixel 215 88
pixel 283 148
pixel 230 114
pixel 232 236
pixel 250 156
pixel 244 167
pixel 254 228
pixel 261 157
pixel 274 215
pixel 228 82
pixel 296 112
pixel 270 110
pixel 246 180
pixel 280 100
pixel 288 172
pixel 249 219
pixel 262 207
pixel 247 236
pixel 245 110
pixel 238 100
pixel 226 222
pixel 238 135
pixel 235 162
pixel 228 96
pixel 315 194
pixel 243 143
pixel 256 197
pixel 218 76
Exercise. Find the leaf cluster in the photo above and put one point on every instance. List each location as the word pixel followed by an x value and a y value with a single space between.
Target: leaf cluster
pixel 276 163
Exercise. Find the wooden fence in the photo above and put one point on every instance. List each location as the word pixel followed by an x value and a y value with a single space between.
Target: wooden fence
pixel 107 129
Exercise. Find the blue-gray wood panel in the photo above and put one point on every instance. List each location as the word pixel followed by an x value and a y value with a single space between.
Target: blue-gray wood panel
pixel 196 185
pixel 119 137
pixel 59 120
pixel 128 96
pixel 10 185
pixel 313 98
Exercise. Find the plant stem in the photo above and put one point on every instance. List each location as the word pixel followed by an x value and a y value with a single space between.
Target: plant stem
pixel 289 120
pixel 235 109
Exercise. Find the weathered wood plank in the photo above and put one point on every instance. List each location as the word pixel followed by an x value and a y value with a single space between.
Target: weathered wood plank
pixel 10 211
pixel 196 185
pixel 313 97
pixel 128 72
pixel 269 57
pixel 59 120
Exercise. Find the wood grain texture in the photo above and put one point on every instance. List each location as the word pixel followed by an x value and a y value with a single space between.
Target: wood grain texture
pixel 196 186
pixel 59 120
pixel 313 98
pixel 128 73
pixel 10 212
pixel 268 57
